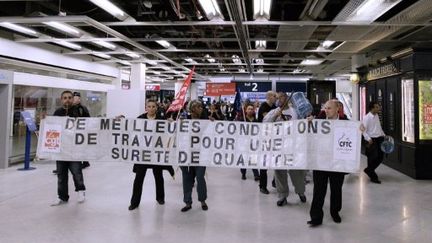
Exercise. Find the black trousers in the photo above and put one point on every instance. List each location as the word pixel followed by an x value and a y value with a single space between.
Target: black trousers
pixel 62 178
pixel 374 157
pixel 320 179
pixel 263 179
pixel 140 172
pixel 255 172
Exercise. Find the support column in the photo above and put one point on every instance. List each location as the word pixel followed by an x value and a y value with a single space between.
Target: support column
pixel 193 91
pixel 130 103
pixel 356 62
pixel 6 84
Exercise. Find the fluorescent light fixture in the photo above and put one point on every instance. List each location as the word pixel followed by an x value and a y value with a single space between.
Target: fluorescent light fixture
pixel 369 11
pixel 151 62
pixel 101 55
pixel 260 44
pixel 261 9
pixel 65 28
pixel 68 45
pixel 19 28
pixel 242 70
pixel 156 72
pixel 260 70
pixel 311 62
pixel 110 8
pixel 164 43
pixel 126 63
pixel 132 54
pixel 222 69
pixel 236 59
pixel 104 44
pixel 165 68
pixel 326 44
pixel 209 58
pixel 402 53
pixel 211 8
pixel 190 60
pixel 259 61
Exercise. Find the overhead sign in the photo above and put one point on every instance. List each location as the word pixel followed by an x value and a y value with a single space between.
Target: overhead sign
pixel 152 87
pixel 330 145
pixel 383 71
pixel 253 86
pixel 218 89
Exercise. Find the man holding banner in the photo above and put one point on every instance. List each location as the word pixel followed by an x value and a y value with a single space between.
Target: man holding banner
pixel 286 113
pixel 63 166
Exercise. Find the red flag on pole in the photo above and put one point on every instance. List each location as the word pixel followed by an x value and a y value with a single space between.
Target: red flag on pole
pixel 179 101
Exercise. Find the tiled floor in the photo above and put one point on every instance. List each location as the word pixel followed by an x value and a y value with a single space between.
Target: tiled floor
pixel 399 210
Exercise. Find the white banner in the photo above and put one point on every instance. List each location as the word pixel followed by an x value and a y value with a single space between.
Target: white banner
pixel 330 145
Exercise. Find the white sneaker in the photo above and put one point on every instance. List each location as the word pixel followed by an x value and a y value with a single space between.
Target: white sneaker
pixel 58 202
pixel 81 196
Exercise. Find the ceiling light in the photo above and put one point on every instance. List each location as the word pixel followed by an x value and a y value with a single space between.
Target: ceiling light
pixel 326 44
pixel 64 28
pixel 68 45
pixel 242 70
pixel 164 43
pixel 104 44
pixel 236 59
pixel 110 8
pixel 19 28
pixel 260 44
pixel 156 72
pixel 126 63
pixel 402 53
pixel 259 61
pixel 261 9
pixel 151 62
pixel 209 58
pixel 368 11
pixel 222 69
pixel 311 62
pixel 190 60
pixel 132 54
pixel 165 68
pixel 211 8
pixel 101 55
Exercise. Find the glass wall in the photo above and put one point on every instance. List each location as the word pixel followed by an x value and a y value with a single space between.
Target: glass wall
pixel 41 102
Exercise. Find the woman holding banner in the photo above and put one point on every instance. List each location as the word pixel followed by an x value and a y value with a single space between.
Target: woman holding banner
pixel 140 169
pixel 189 173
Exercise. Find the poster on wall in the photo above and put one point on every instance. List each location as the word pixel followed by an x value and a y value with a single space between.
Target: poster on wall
pixel 425 110
pixel 408 110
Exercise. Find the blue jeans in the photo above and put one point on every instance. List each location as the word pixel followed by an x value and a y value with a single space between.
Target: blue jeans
pixel 189 174
pixel 62 178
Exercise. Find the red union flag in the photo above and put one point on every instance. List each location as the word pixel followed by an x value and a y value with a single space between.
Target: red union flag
pixel 177 104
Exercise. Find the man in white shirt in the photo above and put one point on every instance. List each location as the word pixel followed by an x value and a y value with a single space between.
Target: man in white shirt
pixel 374 136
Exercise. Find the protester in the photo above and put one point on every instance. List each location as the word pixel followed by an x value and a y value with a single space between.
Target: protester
pixel 285 112
pixel 189 173
pixel 63 166
pixel 249 117
pixel 83 112
pixel 141 169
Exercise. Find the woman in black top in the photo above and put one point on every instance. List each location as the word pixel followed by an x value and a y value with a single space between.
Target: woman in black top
pixel 140 169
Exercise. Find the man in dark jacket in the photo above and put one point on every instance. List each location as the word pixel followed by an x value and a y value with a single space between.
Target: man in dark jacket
pixel 63 166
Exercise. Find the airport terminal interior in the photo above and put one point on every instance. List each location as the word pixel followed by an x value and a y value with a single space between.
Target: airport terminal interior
pixel 370 58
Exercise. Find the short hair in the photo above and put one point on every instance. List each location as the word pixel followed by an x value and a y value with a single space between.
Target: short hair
pixel 372 105
pixel 66 92
pixel 283 94
pixel 194 103
pixel 270 93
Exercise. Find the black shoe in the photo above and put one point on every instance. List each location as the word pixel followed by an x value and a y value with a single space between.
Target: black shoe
pixel 314 223
pixel 54 171
pixel 257 178
pixel 273 183
pixel 161 202
pixel 336 218
pixel 282 202
pixel 376 181
pixel 186 208
pixel 264 191
pixel 204 206
pixel 302 198
pixel 243 177
pixel 132 207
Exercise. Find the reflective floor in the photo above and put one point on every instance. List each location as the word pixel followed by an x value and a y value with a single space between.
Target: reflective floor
pixel 399 210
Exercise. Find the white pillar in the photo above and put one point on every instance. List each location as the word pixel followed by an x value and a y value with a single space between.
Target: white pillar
pixel 356 62
pixel 6 84
pixel 193 91
pixel 130 103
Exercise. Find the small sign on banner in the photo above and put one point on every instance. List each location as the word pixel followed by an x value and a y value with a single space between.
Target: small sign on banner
pixel 218 89
pixel 51 138
pixel 152 87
